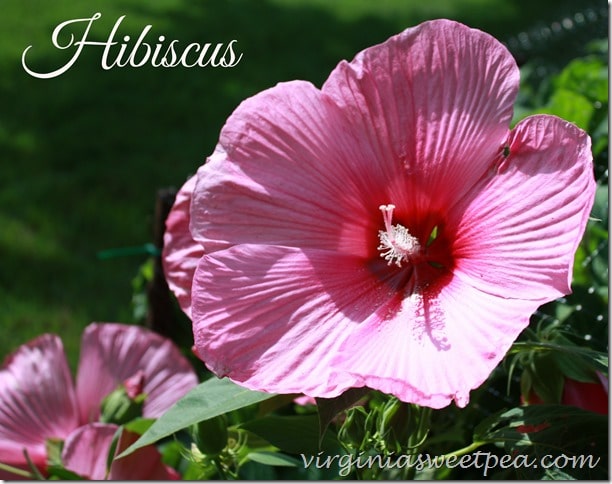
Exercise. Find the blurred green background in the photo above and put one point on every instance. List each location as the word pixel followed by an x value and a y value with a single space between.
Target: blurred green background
pixel 82 155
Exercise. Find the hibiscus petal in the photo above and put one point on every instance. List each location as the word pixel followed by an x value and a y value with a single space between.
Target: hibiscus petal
pixel 437 99
pixel 181 253
pixel 86 450
pixel 414 122
pixel 143 465
pixel 287 171
pixel 439 346
pixel 517 232
pixel 290 170
pixel 272 318
pixel 37 400
pixel 112 353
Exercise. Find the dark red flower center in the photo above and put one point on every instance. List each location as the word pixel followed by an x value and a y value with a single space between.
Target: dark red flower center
pixel 418 256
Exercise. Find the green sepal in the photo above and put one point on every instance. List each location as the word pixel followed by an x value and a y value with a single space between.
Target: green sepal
pixel 210 435
pixel 118 408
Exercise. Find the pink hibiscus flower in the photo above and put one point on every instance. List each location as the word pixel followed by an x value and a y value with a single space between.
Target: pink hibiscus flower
pixel 86 451
pixel 387 230
pixel 180 255
pixel 39 401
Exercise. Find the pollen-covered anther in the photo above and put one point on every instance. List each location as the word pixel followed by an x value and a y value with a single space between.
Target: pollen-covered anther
pixel 397 244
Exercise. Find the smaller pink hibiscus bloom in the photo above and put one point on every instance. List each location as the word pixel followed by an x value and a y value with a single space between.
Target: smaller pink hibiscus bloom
pixel 180 255
pixel 86 452
pixel 39 400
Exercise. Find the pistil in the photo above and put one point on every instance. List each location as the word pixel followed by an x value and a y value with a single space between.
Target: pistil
pixel 397 244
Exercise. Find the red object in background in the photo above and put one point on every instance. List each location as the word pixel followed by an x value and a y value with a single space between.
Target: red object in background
pixel 585 395
pixel 589 396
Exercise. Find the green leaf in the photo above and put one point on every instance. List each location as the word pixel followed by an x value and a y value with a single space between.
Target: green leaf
pixel 139 425
pixel 577 366
pixel 292 434
pixel 357 428
pixel 57 472
pixel 550 430
pixel 273 404
pixel 273 459
pixel 210 435
pixel 546 378
pixel 597 359
pixel 572 106
pixel 209 399
pixel 599 135
pixel 601 205
pixel 113 449
pixel 556 474
pixel 253 471
pixel 588 76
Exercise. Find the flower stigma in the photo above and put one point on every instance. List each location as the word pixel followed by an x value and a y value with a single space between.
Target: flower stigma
pixel 397 244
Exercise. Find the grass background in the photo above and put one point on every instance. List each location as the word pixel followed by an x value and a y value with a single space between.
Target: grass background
pixel 82 155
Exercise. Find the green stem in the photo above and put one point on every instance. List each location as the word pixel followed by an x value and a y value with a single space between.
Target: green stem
pixel 424 424
pixel 35 472
pixel 417 439
pixel 459 452
pixel 544 346
pixel 220 469
pixel 409 473
pixel 16 471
